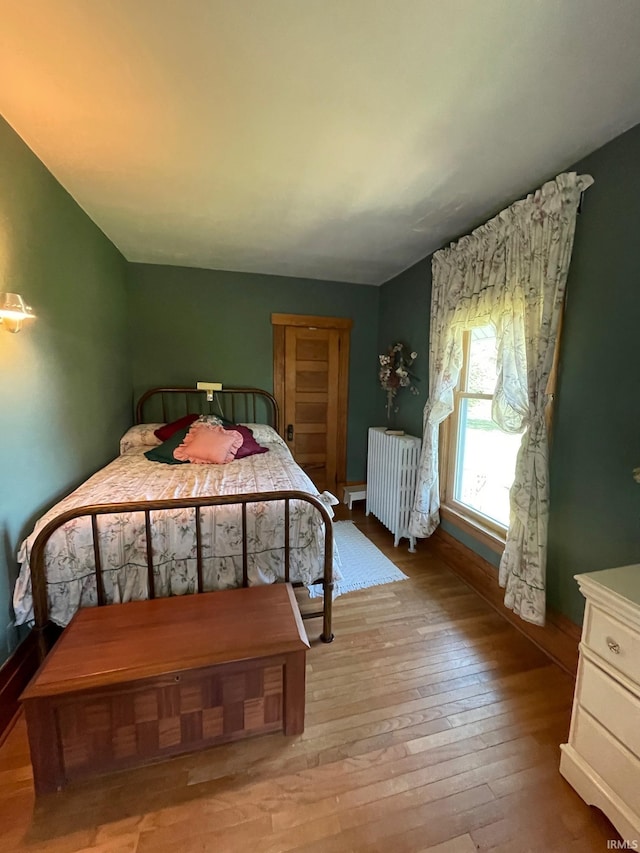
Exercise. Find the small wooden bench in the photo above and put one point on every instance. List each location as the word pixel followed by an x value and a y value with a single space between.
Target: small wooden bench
pixel 129 684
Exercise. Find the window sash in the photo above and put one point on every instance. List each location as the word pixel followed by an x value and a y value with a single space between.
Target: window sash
pixel 485 529
pixel 449 459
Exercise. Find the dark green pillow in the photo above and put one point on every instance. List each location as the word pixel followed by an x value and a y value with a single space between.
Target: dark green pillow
pixel 164 452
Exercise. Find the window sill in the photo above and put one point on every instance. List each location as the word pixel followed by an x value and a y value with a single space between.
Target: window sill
pixel 493 540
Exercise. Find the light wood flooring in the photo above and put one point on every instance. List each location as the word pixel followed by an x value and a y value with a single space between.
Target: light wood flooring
pixel 431 724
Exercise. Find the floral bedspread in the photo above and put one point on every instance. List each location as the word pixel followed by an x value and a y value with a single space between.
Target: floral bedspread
pixel 131 477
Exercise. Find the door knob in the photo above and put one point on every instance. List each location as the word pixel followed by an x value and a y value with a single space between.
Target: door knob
pixel 290 432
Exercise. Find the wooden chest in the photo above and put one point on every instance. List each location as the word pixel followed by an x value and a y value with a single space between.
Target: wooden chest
pixel 133 683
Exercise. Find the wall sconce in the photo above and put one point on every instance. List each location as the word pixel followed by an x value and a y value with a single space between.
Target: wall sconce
pixel 13 312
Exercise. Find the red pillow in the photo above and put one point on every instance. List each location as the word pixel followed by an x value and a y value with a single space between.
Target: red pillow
pixel 249 445
pixel 166 431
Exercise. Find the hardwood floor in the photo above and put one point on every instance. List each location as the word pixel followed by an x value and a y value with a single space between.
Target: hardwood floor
pixel 431 724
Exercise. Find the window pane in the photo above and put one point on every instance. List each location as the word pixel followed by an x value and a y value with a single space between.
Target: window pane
pixel 486 461
pixel 483 351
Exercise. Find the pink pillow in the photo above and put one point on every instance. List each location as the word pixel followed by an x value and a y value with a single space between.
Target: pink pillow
pixel 207 443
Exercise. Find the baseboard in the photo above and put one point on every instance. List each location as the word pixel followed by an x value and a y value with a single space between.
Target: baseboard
pixel 15 674
pixel 559 638
pixel 17 671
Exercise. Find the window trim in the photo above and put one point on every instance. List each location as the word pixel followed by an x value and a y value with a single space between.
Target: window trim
pixel 485 535
pixel 492 536
pixel 487 530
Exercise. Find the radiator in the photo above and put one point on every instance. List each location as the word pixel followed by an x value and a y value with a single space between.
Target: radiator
pixel 392 470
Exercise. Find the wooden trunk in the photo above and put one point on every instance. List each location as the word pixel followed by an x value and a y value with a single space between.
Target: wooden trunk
pixel 130 684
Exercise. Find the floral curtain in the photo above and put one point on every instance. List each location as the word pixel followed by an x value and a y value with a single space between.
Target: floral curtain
pixel 510 272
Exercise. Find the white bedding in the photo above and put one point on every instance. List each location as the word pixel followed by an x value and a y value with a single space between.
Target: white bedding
pixel 131 477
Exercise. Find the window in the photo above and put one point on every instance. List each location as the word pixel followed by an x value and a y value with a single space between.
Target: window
pixel 480 458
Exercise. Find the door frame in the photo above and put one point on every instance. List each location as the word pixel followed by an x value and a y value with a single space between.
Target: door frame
pixel 343 325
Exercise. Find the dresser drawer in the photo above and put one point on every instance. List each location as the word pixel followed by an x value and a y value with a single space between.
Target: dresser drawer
pixel 615 765
pixel 612 705
pixel 618 645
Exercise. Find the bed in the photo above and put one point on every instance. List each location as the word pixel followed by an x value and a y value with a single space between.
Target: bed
pixel 141 529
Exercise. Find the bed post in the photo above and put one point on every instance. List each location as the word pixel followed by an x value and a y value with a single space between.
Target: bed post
pixel 327 579
pixel 327 635
pixel 39 593
pixel 41 643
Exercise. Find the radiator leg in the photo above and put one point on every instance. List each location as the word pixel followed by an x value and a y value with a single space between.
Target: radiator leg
pixel 412 544
pixel 396 540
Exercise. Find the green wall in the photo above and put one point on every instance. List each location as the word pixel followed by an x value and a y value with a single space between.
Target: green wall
pixel 404 316
pixel 192 324
pixel 595 504
pixel 65 386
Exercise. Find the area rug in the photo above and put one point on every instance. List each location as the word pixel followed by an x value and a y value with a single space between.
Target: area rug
pixel 362 564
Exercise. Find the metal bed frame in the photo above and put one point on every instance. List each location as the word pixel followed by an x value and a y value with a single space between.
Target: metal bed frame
pixel 233 400
pixel 236 404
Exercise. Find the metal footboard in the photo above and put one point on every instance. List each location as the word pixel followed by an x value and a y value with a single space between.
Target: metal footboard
pixel 38 567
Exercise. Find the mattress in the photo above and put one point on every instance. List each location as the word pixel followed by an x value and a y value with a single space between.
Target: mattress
pixel 131 477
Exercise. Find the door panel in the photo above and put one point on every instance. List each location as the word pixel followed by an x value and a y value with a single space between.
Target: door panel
pixel 311 364
pixel 312 350
pixel 312 380
pixel 309 413
pixel 311 442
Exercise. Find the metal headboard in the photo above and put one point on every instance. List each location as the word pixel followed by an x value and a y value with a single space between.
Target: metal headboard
pixel 246 405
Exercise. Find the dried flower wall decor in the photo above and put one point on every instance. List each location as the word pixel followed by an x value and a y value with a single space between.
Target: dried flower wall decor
pixel 395 373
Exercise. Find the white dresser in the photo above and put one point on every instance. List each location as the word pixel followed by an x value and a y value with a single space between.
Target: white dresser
pixel 602 759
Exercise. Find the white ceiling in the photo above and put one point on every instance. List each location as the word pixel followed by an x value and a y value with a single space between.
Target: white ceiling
pixel 335 139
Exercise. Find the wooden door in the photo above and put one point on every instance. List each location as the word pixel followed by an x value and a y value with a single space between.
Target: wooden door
pixel 311 359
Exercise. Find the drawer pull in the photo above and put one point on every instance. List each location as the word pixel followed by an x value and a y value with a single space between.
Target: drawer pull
pixel 613 646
